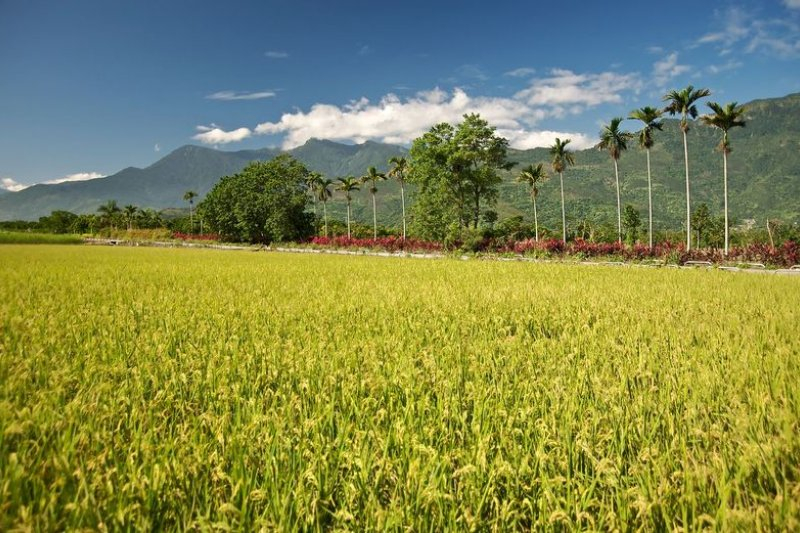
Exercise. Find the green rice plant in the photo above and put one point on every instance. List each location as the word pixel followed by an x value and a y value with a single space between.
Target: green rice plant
pixel 145 388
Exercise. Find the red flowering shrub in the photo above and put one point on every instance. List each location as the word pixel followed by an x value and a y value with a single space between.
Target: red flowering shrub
pixel 388 244
pixel 784 256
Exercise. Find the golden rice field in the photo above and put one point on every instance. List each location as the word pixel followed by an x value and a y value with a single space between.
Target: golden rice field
pixel 147 389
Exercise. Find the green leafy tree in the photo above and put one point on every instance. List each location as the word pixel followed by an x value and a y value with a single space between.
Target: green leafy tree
pixel 533 176
pixel 189 196
pixel 109 212
pixel 512 228
pixel 632 222
pixel 58 222
pixel 725 119
pixel 650 117
pixel 683 103
pixel 456 169
pixel 701 221
pixel 347 185
pixel 615 141
pixel 399 171
pixel 561 160
pixel 480 154
pixel 130 215
pixel 264 203
pixel 149 219
pixel 440 196
pixel 490 218
pixel 84 224
pixel 323 194
pixel 372 177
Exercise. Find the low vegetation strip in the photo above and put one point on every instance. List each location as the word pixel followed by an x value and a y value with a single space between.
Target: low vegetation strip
pixel 146 388
pixel 784 256
pixel 19 237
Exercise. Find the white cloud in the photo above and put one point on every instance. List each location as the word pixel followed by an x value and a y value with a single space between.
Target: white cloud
pixel 781 37
pixel 216 135
pixel 525 140
pixel 733 26
pixel 12 185
pixel 234 95
pixel 731 64
pixel 565 87
pixel 521 72
pixel 668 68
pixel 390 120
pixel 79 176
pixel 399 121
pixel 736 27
pixel 276 54
pixel 364 50
pixel 157 148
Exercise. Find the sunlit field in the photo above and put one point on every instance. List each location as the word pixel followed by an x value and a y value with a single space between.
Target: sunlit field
pixel 150 389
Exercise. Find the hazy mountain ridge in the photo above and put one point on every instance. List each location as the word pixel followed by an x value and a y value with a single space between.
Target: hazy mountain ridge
pixel 764 175
pixel 162 184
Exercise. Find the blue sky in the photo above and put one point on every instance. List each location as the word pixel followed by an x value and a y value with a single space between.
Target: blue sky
pixel 90 87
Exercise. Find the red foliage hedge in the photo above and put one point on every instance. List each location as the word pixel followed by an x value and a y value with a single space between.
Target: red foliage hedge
pixel 389 244
pixel 785 255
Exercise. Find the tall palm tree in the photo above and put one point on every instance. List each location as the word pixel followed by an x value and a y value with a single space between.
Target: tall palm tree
pixel 347 186
pixel 373 177
pixel 399 172
pixel 109 211
pixel 615 141
pixel 683 103
pixel 561 159
pixel 313 179
pixel 130 213
pixel 533 176
pixel 323 193
pixel 650 117
pixel 725 118
pixel 189 196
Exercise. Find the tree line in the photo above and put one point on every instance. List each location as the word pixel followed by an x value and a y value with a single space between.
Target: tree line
pixel 109 216
pixel 614 139
pixel 455 171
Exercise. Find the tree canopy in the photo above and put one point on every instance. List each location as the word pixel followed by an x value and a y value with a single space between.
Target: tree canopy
pixel 263 203
pixel 456 171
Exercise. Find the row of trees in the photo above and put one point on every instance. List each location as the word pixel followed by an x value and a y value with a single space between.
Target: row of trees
pixel 111 215
pixel 615 140
pixel 679 102
pixel 321 190
pixel 456 168
pixel 456 171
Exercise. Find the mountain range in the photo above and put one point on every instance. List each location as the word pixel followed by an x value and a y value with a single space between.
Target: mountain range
pixel 163 184
pixel 764 176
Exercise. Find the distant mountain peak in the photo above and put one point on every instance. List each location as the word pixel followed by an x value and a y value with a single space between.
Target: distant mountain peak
pixel 315 141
